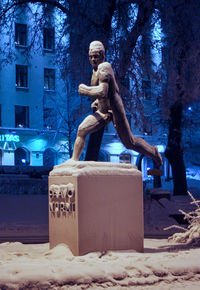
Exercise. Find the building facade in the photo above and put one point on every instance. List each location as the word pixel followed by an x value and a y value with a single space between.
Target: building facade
pixel 29 84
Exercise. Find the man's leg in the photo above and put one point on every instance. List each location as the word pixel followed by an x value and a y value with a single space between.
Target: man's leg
pixel 90 124
pixel 78 147
pixel 135 143
pixel 141 146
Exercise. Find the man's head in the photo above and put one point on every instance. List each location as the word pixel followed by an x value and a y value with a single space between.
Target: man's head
pixel 96 53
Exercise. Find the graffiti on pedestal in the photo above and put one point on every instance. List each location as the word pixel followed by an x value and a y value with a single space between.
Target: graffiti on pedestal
pixel 62 198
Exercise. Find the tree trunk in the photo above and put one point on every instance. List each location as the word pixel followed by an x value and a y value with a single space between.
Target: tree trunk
pixel 174 152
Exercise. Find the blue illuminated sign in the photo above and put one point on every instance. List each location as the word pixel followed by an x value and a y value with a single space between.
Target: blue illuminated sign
pixel 9 138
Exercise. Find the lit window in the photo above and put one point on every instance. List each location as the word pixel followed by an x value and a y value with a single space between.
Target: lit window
pixel 21 76
pixel 49 79
pixel 20 34
pixel 22 116
pixel 48 38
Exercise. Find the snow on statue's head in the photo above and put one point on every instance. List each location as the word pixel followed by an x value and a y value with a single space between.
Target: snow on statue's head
pixel 97 46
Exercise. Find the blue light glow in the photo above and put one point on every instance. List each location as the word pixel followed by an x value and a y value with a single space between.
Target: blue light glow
pixel 36 144
pixel 161 148
pixel 189 108
pixel 9 138
pixel 114 147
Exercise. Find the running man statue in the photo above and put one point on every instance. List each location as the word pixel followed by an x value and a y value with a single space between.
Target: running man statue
pixel 109 107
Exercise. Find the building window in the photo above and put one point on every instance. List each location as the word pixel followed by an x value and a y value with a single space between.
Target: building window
pixel 49 79
pixel 22 116
pixel 20 34
pixel 21 76
pixel 146 86
pixel 147 126
pixel 22 156
pixel 50 118
pixel 125 158
pixel 49 38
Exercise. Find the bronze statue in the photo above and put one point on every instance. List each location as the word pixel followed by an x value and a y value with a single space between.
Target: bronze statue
pixel 108 104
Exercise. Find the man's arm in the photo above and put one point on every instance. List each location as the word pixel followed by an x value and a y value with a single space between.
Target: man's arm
pixel 95 92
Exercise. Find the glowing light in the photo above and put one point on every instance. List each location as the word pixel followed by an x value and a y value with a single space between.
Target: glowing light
pixel 9 138
pixel 161 148
pixel 37 144
pixel 114 147
pixel 23 160
pixel 189 108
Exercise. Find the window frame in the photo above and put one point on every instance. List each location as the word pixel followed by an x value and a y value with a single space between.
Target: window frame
pixel 147 126
pixel 49 38
pixel 20 33
pixel 49 87
pixel 18 75
pixel 26 117
pixel 22 153
pixel 125 158
pixel 147 89
pixel 49 118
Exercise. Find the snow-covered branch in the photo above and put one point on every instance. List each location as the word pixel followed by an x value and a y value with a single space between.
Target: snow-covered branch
pixel 191 235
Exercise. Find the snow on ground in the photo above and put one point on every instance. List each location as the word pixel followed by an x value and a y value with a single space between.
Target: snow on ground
pixel 161 266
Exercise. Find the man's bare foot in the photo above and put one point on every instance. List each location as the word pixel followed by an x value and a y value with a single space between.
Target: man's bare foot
pixel 157 158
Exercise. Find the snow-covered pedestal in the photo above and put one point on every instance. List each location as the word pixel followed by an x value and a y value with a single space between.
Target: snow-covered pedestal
pixel 96 206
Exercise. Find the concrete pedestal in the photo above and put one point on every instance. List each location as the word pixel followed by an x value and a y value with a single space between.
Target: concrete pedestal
pixel 96 210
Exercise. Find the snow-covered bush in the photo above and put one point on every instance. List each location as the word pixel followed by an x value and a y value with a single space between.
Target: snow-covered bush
pixel 191 234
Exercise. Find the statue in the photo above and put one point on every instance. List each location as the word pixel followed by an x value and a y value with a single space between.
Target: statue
pixel 73 183
pixel 108 107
